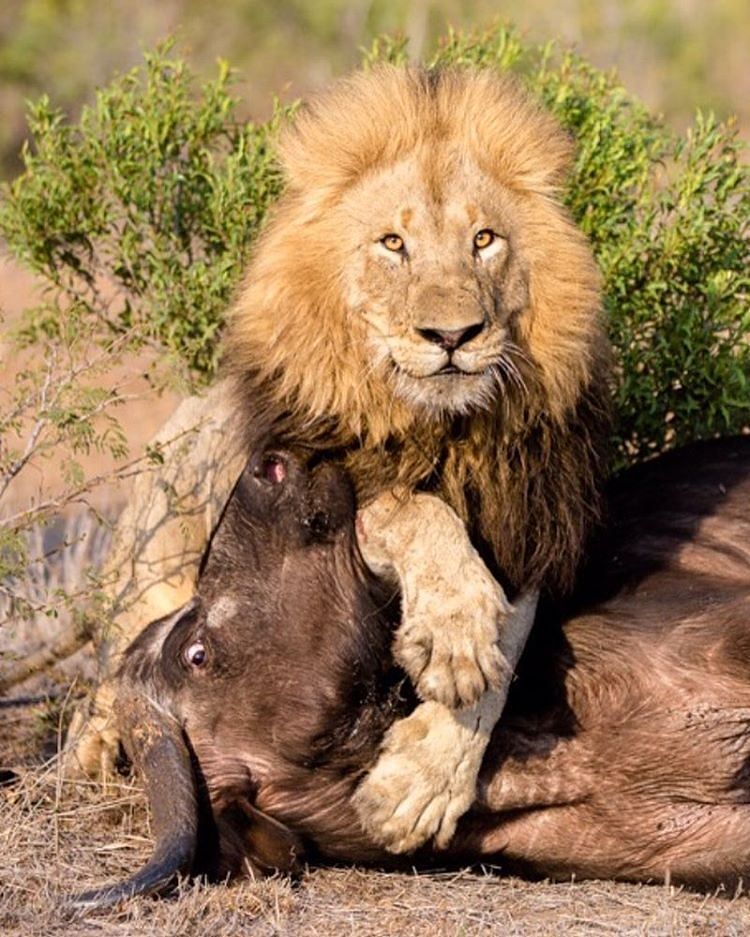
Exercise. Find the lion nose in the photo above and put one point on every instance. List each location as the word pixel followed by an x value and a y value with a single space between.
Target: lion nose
pixel 451 339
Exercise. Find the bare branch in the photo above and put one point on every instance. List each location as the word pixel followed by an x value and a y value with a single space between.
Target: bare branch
pixel 70 639
pixel 75 495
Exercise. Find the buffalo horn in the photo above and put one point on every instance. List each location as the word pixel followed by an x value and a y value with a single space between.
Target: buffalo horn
pixel 158 749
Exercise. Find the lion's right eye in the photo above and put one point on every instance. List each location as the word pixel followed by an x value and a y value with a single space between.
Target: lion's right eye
pixel 392 242
pixel 483 239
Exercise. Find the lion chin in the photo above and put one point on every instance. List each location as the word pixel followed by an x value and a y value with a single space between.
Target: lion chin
pixel 421 302
pixel 447 392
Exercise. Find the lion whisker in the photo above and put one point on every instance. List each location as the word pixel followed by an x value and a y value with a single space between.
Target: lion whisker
pixel 515 350
pixel 364 377
pixel 511 372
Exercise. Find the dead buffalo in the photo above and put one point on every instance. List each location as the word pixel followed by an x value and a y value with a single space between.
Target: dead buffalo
pixel 624 752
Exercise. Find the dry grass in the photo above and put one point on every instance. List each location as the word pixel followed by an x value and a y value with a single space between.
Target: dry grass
pixel 57 838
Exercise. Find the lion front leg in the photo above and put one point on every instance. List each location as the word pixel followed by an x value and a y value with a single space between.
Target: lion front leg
pixel 425 777
pixel 453 610
pixel 426 774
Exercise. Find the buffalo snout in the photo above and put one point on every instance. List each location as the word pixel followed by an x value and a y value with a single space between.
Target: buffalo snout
pixel 292 492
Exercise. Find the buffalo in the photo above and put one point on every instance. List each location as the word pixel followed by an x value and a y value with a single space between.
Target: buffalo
pixel 255 711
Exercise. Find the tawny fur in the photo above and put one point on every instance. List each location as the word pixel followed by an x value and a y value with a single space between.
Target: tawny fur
pixel 438 156
pixel 450 152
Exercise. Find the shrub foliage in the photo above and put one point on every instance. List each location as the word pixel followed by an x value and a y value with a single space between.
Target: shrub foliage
pixel 139 217
pixel 141 212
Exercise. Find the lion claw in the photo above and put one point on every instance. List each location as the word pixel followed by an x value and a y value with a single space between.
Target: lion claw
pixel 448 644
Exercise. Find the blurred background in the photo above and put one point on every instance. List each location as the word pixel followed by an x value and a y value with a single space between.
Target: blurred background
pixel 675 54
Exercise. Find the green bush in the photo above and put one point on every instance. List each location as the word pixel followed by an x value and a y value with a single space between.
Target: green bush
pixel 141 214
pixel 158 192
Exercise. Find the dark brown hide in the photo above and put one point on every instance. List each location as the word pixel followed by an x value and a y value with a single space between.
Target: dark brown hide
pixel 296 685
pixel 637 766
pixel 625 748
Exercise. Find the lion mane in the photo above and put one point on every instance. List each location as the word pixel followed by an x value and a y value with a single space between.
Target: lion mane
pixel 522 468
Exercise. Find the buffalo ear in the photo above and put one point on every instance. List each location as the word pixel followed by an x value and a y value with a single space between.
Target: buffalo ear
pixel 250 837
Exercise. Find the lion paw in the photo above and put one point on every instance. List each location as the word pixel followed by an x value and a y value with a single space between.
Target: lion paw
pixel 424 779
pixel 447 642
pixel 92 742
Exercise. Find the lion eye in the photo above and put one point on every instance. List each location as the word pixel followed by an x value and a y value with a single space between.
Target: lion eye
pixel 196 654
pixel 392 242
pixel 483 239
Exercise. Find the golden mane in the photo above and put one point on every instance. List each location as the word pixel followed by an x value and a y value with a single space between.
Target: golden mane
pixel 525 474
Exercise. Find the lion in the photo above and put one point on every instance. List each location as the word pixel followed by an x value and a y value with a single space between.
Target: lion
pixel 421 308
pixel 422 301
pixel 422 304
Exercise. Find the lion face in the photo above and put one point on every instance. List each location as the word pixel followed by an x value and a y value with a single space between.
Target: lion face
pixel 438 278
pixel 420 264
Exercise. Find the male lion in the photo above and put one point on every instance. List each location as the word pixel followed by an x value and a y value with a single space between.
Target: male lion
pixel 421 308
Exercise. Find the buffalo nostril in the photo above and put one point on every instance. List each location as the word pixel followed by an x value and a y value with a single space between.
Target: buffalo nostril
pixel 273 469
pixel 450 339
pixel 319 524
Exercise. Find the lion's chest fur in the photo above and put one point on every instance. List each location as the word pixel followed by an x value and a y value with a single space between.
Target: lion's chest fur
pixel 528 493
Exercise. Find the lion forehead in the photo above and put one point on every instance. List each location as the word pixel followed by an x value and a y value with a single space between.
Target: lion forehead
pixel 435 195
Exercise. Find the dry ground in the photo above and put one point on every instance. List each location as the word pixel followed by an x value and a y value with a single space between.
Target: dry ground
pixel 57 838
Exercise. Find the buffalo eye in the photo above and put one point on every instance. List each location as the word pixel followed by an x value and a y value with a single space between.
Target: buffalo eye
pixel 195 655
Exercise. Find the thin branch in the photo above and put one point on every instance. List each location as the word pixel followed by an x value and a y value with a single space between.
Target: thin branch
pixel 70 639
pixel 31 443
pixel 128 470
pixel 46 403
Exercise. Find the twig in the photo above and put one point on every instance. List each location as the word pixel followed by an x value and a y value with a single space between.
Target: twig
pixel 128 470
pixel 67 642
pixel 20 701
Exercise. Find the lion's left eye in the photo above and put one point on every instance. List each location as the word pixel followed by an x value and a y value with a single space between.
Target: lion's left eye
pixel 484 238
pixel 392 242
